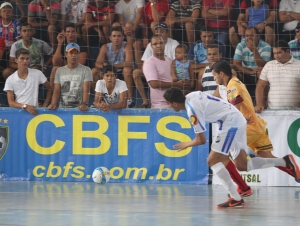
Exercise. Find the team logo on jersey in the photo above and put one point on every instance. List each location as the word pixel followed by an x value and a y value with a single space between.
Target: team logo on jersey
pixel 11 30
pixel 231 90
pixel 218 139
pixel 193 120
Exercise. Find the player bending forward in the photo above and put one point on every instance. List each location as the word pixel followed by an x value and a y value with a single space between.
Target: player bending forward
pixel 231 138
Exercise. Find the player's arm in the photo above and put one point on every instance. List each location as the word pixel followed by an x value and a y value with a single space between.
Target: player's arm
pixel 198 140
pixel 12 63
pixel 85 97
pixel 122 103
pixel 173 71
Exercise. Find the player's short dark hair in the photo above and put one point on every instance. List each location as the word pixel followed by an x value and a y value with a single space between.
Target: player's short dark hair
pixel 22 51
pixel 108 68
pixel 174 94
pixel 253 28
pixel 282 44
pixel 213 46
pixel 206 29
pixel 116 28
pixel 184 47
pixel 223 66
pixel 69 25
pixel 25 24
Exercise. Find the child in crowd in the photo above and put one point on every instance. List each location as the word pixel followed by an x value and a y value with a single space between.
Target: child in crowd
pixel 110 92
pixel 257 14
pixel 181 66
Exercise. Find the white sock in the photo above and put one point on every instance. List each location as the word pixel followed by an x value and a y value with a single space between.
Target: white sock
pixel 224 176
pixel 261 163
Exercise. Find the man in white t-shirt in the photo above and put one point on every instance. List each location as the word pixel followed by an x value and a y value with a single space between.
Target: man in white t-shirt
pixel 22 86
pixel 72 11
pixel 169 47
pixel 129 19
pixel 157 71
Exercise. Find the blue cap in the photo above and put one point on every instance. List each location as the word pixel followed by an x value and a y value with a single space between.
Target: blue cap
pixel 161 25
pixel 72 46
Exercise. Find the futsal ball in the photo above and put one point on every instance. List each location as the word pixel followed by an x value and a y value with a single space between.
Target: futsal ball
pixel 101 175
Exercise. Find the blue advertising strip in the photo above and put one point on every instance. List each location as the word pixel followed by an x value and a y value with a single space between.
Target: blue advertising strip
pixel 67 145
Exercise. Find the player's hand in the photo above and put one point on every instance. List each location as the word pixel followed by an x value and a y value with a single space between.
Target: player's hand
pixel 52 106
pixel 259 109
pixel 181 146
pixel 32 110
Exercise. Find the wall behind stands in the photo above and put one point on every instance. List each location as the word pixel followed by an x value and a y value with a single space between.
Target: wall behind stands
pixel 67 145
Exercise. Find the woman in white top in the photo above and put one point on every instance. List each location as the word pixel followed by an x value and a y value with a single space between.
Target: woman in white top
pixel 110 92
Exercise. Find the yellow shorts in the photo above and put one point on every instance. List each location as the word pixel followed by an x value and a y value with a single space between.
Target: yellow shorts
pixel 259 142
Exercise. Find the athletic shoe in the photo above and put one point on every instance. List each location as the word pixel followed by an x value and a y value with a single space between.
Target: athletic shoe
pixel 292 166
pixel 130 103
pixel 244 193
pixel 231 203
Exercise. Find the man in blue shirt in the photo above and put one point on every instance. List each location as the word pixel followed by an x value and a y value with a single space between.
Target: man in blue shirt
pixel 197 52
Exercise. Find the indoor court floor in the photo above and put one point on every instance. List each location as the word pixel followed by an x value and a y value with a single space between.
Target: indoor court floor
pixel 87 203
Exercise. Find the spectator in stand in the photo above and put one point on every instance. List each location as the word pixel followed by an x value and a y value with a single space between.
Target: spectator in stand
pixel 22 86
pixel 250 57
pixel 99 17
pixel 63 39
pixel 157 70
pixel 73 11
pixel 110 92
pixel 181 66
pixel 117 53
pixel 170 44
pixel 72 82
pixel 127 11
pixel 19 4
pixel 217 14
pixel 279 81
pixel 153 12
pixel 3 98
pixel 197 52
pixel 289 15
pixel 9 30
pixel 206 82
pixel 183 15
pixel 267 27
pixel 43 16
pixel 36 47
pixel 295 44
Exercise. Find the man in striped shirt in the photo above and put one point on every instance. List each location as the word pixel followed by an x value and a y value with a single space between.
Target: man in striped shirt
pixel 250 57
pixel 295 44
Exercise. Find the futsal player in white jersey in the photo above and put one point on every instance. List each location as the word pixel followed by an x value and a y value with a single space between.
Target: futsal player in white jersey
pixel 231 138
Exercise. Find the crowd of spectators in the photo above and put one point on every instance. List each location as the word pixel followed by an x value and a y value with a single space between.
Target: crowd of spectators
pixel 85 48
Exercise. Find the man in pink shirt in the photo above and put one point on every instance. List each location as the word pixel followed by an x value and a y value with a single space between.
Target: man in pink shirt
pixel 157 70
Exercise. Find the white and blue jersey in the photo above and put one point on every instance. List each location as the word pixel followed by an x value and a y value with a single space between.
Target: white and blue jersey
pixel 202 107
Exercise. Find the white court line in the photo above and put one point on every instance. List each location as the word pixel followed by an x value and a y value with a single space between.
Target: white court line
pixel 6 213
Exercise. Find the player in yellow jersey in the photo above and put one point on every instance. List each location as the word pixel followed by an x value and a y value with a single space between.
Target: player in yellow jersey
pixel 237 94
